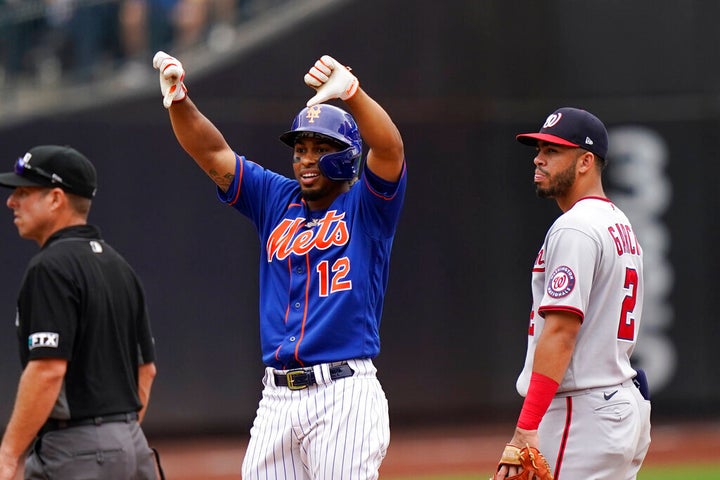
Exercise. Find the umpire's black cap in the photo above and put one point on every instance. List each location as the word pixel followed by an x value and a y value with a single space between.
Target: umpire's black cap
pixel 53 166
pixel 572 127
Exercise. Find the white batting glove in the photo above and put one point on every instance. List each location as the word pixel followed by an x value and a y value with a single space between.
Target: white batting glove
pixel 171 78
pixel 330 79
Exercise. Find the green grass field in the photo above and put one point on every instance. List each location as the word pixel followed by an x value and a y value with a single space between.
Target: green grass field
pixel 679 472
pixel 676 472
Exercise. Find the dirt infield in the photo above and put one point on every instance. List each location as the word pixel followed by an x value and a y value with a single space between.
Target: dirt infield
pixel 433 451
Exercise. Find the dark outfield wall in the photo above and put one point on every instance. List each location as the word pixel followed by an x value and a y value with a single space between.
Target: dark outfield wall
pixel 460 81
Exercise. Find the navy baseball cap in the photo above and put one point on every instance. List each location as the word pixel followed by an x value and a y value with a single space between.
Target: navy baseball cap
pixel 53 166
pixel 571 127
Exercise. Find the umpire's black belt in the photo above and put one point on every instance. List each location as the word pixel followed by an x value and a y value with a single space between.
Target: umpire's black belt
pixel 300 378
pixel 53 424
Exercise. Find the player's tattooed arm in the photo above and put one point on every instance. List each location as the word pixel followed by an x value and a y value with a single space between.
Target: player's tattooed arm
pixel 201 139
pixel 222 179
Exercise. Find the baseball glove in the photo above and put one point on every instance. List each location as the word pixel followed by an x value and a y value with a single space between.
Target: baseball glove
pixel 529 459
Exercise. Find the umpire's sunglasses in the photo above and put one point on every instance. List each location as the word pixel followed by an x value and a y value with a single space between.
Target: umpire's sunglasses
pixel 24 169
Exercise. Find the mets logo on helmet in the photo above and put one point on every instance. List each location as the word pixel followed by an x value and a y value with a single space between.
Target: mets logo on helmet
pixel 313 113
pixel 561 283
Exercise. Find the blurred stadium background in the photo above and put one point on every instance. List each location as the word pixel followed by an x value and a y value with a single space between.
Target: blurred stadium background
pixel 460 78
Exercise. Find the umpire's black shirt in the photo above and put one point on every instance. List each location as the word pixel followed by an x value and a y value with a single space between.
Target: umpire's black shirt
pixel 81 301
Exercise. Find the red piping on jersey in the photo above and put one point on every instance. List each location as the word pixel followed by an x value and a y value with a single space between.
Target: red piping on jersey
pixel 538 269
pixel 565 435
pixel 591 197
pixel 287 308
pixel 277 352
pixel 305 311
pixel 239 183
pixel 372 190
pixel 562 308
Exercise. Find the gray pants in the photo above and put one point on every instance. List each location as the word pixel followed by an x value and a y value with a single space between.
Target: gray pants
pixel 112 451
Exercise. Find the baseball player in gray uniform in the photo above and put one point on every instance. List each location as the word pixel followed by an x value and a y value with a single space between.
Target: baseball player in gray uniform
pixel 587 284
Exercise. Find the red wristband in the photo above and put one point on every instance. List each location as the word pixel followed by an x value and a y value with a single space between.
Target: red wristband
pixel 540 393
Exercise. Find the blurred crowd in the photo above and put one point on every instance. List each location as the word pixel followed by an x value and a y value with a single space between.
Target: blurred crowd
pixel 47 41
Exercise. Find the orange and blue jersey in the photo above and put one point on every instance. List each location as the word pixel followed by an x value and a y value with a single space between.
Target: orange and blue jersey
pixel 323 274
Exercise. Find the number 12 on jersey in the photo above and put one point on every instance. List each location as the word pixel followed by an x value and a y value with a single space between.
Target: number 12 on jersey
pixel 332 279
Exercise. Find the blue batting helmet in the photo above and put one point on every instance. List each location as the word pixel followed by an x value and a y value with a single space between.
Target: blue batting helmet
pixel 339 126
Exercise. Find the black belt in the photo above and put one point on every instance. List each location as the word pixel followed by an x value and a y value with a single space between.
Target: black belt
pixel 301 378
pixel 54 424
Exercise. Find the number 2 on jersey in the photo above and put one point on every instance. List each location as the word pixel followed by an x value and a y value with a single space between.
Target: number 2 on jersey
pixel 626 329
pixel 332 280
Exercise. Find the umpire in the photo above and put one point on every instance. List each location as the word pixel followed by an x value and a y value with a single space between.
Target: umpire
pixel 86 346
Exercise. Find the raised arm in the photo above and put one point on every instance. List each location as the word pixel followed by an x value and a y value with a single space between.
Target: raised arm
pixel 385 155
pixel 196 133
pixel 332 80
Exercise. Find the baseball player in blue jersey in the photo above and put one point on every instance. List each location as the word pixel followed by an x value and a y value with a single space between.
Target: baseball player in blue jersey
pixel 326 240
